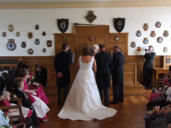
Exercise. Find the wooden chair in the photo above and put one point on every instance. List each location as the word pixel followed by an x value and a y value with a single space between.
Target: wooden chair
pixel 20 117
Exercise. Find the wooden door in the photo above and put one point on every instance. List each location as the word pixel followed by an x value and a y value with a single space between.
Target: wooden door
pixel 89 35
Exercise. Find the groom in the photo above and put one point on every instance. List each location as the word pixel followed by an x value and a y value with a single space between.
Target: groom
pixel 62 61
pixel 104 68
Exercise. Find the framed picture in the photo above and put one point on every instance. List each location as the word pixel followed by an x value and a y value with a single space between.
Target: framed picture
pixel 160 39
pixel 133 44
pixel 37 27
pixel 30 35
pixel 138 33
pixel 44 50
pixel 165 33
pixel 49 43
pixel 4 34
pixel 30 51
pixel 158 24
pixel 153 34
pixel 139 49
pixel 37 41
pixel 11 45
pixel 145 41
pixel 145 26
pixel 10 28
pixel 18 34
pixel 23 44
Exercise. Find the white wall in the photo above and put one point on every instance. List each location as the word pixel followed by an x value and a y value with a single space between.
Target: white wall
pixel 24 21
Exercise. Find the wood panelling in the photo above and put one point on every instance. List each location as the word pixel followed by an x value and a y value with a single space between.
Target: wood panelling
pixel 46 62
pixel 88 35
pixel 119 39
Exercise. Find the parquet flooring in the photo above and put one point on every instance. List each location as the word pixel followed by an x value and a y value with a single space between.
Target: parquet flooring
pixel 130 115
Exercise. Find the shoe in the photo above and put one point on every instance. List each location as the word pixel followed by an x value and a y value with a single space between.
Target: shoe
pixel 45 120
pixel 121 101
pixel 115 102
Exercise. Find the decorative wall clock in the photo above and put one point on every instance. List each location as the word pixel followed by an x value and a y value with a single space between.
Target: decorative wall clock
pixel 153 34
pixel 17 34
pixel 145 27
pixel 44 50
pixel 49 43
pixel 11 28
pixel 138 49
pixel 165 49
pixel 90 17
pixel 116 38
pixel 11 45
pixel 23 44
pixel 4 34
pixel 165 33
pixel 37 41
pixel 160 39
pixel 158 24
pixel 30 35
pixel 43 33
pixel 133 44
pixel 30 51
pixel 37 27
pixel 138 33
pixel 145 41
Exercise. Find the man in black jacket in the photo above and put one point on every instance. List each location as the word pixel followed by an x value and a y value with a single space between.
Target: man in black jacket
pixel 62 61
pixel 117 75
pixel 104 68
pixel 148 67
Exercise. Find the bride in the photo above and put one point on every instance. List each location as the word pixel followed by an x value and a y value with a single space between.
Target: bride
pixel 83 101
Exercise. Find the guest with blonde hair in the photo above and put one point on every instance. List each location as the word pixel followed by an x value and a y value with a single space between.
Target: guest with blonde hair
pixel 95 48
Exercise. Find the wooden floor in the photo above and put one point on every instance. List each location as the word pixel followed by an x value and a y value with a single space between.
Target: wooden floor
pixel 130 115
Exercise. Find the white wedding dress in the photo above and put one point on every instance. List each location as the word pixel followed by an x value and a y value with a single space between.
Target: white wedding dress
pixel 83 101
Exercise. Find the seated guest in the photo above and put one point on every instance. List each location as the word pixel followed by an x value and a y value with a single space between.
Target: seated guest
pixel 5 101
pixel 155 95
pixel 157 98
pixel 160 118
pixel 95 48
pixel 28 100
pixel 38 91
pixel 40 75
pixel 4 120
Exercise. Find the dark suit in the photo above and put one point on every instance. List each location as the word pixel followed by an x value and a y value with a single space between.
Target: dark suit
pixel 148 69
pixel 41 76
pixel 104 68
pixel 117 76
pixel 62 62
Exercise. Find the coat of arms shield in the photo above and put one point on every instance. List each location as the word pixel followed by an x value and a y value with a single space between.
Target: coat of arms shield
pixel 119 24
pixel 63 24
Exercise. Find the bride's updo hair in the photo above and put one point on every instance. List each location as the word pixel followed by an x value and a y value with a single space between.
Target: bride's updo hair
pixel 87 51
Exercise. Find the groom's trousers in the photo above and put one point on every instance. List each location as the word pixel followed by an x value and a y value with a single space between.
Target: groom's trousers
pixel 104 93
